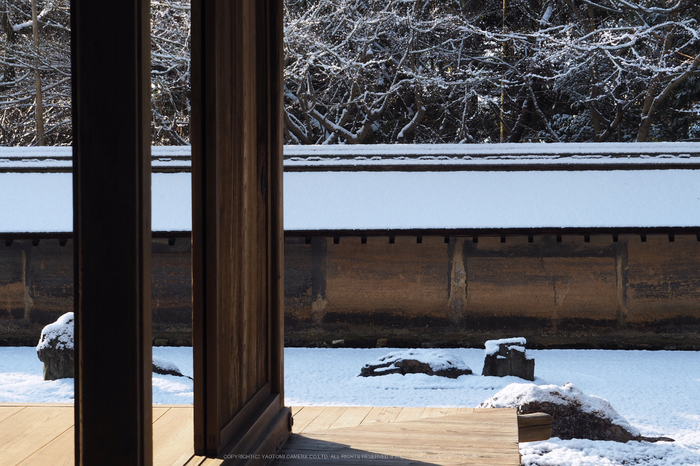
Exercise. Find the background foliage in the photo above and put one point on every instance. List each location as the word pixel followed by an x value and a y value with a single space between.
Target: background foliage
pixel 419 71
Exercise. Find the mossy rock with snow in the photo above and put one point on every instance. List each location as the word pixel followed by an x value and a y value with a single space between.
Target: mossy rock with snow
pixel 55 348
pixel 163 367
pixel 574 414
pixel 439 363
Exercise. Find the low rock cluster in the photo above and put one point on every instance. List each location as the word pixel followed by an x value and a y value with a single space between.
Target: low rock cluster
pixel 440 363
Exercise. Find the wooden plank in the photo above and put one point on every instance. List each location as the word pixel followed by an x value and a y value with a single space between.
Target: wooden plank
pixel 35 435
pixel 487 437
pixel 534 427
pixel 306 416
pixel 186 459
pixel 58 452
pixel 325 419
pixel 534 419
pixel 381 415
pixel 195 460
pixel 172 436
pixel 504 427
pixel 9 411
pixel 434 412
pixel 534 433
pixel 451 411
pixel 158 412
pixel 480 436
pixel 352 417
pixel 211 462
pixel 410 414
pixel 331 453
pixel 28 433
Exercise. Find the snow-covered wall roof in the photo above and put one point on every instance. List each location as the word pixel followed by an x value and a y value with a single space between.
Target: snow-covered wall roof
pixel 60 158
pixel 41 202
pixel 493 156
pixel 418 156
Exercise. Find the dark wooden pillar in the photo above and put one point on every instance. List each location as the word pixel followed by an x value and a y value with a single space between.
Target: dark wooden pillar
pixel 112 229
pixel 237 230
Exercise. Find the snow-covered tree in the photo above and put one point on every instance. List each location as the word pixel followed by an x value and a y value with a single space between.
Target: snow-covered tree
pixel 422 71
pixel 23 65
pixel 170 39
pixel 529 70
pixel 359 71
pixel 170 71
pixel 625 60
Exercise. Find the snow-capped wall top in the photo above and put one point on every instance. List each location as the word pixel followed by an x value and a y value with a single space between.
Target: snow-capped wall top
pixel 60 158
pixel 411 200
pixel 495 155
pixel 457 156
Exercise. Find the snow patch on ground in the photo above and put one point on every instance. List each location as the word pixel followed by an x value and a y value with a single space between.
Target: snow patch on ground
pixel 22 378
pixel 582 452
pixel 21 387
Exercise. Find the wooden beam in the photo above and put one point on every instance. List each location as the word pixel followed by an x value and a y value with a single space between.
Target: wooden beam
pixel 237 232
pixel 534 427
pixel 272 19
pixel 112 206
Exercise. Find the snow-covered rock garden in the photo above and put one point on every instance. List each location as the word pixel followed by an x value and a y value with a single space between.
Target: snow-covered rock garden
pixel 654 391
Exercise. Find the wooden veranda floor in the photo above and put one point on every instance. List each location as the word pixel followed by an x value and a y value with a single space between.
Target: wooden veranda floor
pixel 42 434
pixel 402 436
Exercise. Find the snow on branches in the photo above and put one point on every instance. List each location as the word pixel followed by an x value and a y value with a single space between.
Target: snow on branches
pixel 409 71
pixel 466 71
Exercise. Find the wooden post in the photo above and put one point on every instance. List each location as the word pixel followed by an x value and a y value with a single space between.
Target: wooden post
pixel 112 230
pixel 237 232
pixel 621 280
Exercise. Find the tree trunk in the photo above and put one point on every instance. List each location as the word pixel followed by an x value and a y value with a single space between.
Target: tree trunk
pixel 9 71
pixel 39 102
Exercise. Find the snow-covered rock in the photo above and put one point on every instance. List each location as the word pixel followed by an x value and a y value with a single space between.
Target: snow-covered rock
pixel 507 357
pixel 575 414
pixel 55 348
pixel 494 346
pixel 163 367
pixel 437 362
